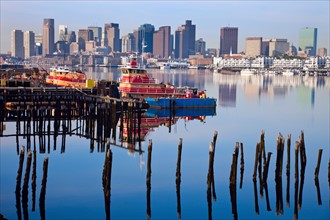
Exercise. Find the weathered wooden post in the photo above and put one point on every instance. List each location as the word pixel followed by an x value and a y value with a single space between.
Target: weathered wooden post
pixel 256 162
pixel 34 180
pixel 18 183
pixel 232 185
pixel 25 190
pixel 42 197
pixel 148 179
pixel 106 179
pixel 241 167
pixel 317 169
pixel 178 178
pixel 296 183
pixel 288 171
pixel 209 180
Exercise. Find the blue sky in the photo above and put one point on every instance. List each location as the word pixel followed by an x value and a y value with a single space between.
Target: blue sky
pixel 267 19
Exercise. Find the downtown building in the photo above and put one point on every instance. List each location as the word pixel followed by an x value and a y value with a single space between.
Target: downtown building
pixel 17 44
pixel 112 32
pixel 29 44
pixel 162 42
pixel 185 37
pixel 308 40
pixel 145 38
pixel 228 40
pixel 84 35
pixel 48 37
pixel 97 33
pixel 253 46
pixel 128 44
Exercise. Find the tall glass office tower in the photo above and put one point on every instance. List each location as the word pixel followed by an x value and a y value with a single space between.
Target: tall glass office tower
pixel 308 40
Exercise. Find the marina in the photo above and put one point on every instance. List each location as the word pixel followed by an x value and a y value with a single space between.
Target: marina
pixel 161 160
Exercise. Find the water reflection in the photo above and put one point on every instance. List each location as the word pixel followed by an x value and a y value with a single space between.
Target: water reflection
pixel 257 86
pixel 45 131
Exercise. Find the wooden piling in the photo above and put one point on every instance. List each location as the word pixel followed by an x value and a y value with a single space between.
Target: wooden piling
pixel 288 171
pixel 317 169
pixel 296 183
pixel 42 197
pixel 241 166
pixel 25 190
pixel 148 179
pixel 178 179
pixel 34 180
pixel 209 180
pixel 256 161
pixel 233 181
pixel 18 183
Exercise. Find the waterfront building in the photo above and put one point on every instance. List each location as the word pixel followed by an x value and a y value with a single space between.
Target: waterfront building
pixel 145 38
pixel 128 43
pixel 308 40
pixel 185 37
pixel 200 46
pixel 97 33
pixel 48 34
pixel 322 52
pixel 253 46
pixel 29 44
pixel 278 47
pixel 228 40
pixel 17 47
pixel 112 35
pixel 62 32
pixel 84 35
pixel 162 42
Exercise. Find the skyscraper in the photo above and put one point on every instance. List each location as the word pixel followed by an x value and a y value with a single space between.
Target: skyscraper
pixel 84 35
pixel 17 47
pixel 128 43
pixel 200 46
pixel 112 34
pixel 185 37
pixel 228 40
pixel 162 42
pixel 97 33
pixel 308 40
pixel 48 37
pixel 253 46
pixel 145 37
pixel 29 44
pixel 62 32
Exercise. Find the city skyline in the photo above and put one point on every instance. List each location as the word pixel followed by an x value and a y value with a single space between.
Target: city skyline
pixel 276 19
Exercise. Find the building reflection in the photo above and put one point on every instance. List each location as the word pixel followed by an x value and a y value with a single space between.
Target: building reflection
pixel 257 86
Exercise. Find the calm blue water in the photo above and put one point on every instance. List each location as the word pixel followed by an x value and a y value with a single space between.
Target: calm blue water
pixel 245 107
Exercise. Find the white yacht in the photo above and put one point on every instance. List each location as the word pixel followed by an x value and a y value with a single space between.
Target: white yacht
pixel 247 72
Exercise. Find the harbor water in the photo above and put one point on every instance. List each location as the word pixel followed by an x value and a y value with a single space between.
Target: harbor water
pixel 162 182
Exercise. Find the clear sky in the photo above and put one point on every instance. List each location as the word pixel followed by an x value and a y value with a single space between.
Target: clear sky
pixel 267 19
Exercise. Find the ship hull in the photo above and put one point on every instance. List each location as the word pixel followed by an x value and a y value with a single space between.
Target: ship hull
pixel 168 103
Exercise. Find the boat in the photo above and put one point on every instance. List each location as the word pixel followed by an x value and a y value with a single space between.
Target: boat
pixel 136 83
pixel 181 102
pixel 180 112
pixel 288 72
pixel 166 66
pixel 248 72
pixel 62 76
